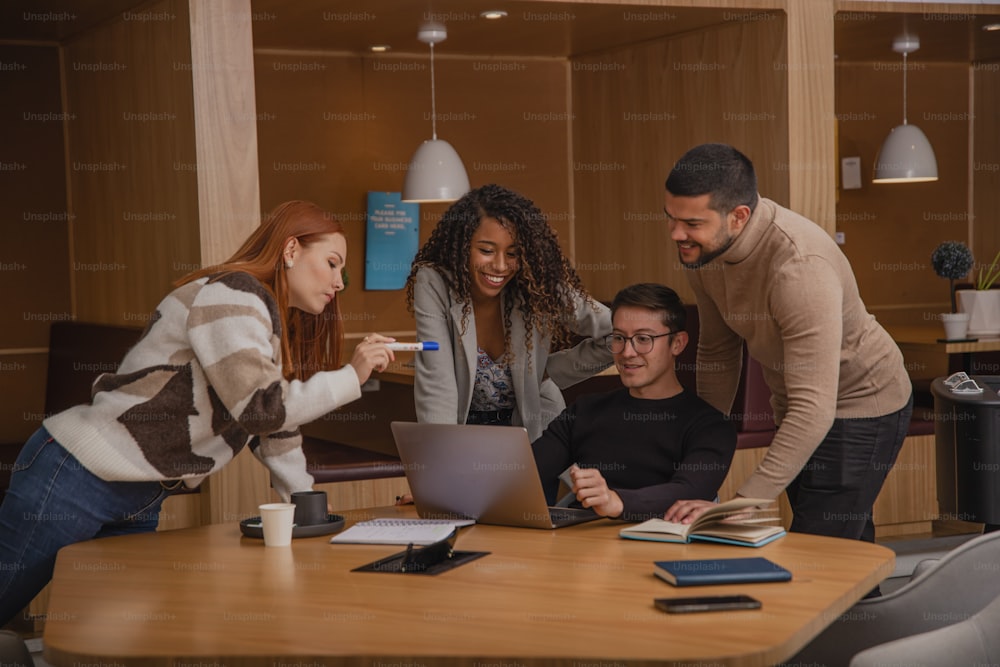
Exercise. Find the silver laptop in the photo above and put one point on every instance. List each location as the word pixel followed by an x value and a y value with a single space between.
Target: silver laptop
pixel 486 473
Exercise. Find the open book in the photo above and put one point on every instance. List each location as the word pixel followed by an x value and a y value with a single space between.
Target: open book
pixel 718 524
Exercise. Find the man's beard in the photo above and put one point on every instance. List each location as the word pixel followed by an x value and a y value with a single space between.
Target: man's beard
pixel 707 257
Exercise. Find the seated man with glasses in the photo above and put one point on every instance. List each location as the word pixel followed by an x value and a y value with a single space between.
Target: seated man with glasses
pixel 631 453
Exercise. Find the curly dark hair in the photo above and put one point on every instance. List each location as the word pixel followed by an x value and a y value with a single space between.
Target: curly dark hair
pixel 545 282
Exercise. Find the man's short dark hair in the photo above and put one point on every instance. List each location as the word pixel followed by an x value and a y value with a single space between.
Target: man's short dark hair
pixel 656 297
pixel 718 170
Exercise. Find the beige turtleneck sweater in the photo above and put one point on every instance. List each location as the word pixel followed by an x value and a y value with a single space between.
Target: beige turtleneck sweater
pixel 786 288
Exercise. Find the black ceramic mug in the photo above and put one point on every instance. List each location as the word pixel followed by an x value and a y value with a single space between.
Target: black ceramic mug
pixel 310 507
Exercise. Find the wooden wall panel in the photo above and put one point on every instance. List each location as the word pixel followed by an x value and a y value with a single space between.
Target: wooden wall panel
pixel 34 251
pixel 132 164
pixel 986 161
pixel 812 164
pixel 891 229
pixel 225 125
pixel 908 500
pixel 228 193
pixel 333 127
pixel 639 109
pixel 360 494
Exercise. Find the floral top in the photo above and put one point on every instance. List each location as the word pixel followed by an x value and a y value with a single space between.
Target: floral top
pixel 494 386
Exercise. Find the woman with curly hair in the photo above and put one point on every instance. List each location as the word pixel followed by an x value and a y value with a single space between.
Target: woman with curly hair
pixel 492 287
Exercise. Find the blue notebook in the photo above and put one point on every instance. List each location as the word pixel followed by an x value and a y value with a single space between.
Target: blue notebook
pixel 720 571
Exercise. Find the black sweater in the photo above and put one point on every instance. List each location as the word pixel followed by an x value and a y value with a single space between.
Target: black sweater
pixel 651 452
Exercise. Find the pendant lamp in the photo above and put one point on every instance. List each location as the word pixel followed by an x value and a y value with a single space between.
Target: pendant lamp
pixel 906 155
pixel 436 172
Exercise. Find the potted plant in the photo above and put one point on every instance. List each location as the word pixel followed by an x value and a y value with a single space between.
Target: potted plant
pixel 983 303
pixel 953 260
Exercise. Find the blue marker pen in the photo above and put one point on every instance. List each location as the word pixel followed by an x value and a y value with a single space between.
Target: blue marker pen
pixel 425 346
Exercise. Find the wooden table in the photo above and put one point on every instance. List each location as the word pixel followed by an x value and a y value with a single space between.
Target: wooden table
pixel 916 341
pixel 572 596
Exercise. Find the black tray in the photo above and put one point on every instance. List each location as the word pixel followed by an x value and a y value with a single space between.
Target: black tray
pixel 252 527
pixel 393 563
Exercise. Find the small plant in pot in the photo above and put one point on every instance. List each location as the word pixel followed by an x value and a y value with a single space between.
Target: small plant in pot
pixel 953 260
pixel 992 273
pixel 983 303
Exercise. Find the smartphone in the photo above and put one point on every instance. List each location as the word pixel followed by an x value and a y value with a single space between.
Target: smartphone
pixel 706 603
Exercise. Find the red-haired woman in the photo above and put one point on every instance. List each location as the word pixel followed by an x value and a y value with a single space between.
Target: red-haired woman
pixel 244 352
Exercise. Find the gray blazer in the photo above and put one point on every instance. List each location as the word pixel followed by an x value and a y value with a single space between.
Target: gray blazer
pixel 444 379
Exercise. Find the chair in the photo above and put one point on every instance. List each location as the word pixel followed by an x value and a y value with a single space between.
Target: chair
pixel 13 652
pixel 78 353
pixel 960 584
pixel 974 641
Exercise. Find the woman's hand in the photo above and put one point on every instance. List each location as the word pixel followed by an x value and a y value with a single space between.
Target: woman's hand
pixel 372 354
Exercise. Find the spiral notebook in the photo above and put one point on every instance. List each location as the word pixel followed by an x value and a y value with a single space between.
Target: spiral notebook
pixel 399 531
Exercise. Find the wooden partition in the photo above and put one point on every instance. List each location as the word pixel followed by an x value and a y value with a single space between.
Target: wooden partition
pixel 986 160
pixel 891 229
pixel 639 108
pixel 34 265
pixel 132 168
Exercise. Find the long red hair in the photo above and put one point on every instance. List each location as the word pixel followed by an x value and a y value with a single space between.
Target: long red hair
pixel 309 343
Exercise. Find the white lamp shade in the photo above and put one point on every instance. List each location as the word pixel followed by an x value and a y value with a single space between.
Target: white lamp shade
pixel 906 157
pixel 436 173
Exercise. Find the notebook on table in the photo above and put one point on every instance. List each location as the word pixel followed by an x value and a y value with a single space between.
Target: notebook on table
pixel 399 531
pixel 486 473
pixel 720 571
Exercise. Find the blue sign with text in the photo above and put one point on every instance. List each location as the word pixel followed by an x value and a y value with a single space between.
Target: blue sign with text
pixel 391 241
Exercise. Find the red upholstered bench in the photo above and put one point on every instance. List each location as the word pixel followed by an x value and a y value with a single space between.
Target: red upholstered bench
pixel 751 415
pixel 922 422
pixel 330 461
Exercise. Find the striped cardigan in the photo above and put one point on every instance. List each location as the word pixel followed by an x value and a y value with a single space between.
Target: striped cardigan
pixel 203 381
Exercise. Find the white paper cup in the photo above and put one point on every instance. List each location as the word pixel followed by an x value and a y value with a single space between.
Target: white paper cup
pixel 278 519
pixel 956 325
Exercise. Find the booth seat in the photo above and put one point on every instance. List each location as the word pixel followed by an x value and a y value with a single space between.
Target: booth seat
pixel 78 353
pixel 330 462
pixel 751 415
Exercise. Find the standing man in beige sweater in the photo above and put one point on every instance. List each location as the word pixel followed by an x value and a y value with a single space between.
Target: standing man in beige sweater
pixel 768 276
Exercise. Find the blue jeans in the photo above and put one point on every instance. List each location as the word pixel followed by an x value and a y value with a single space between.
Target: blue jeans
pixel 53 501
pixel 835 492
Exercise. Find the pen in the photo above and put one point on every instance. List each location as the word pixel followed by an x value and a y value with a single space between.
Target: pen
pixel 425 346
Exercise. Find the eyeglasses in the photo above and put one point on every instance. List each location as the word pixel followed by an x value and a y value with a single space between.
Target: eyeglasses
pixel 641 343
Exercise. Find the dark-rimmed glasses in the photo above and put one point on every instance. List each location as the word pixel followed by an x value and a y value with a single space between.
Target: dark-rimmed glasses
pixel 641 343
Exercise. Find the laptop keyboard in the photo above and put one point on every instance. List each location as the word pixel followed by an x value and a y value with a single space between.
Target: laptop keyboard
pixel 559 514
